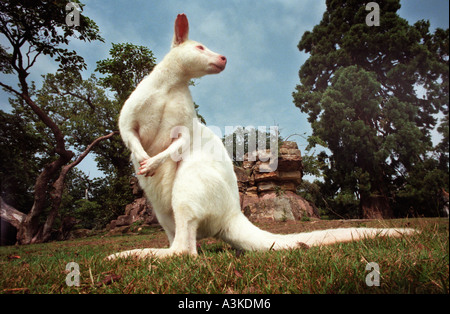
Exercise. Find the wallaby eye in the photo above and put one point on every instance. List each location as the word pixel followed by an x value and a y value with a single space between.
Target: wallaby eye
pixel 200 47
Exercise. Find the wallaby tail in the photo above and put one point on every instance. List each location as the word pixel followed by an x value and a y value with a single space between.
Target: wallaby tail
pixel 242 234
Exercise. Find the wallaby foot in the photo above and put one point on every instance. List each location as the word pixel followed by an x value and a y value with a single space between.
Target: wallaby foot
pixel 147 253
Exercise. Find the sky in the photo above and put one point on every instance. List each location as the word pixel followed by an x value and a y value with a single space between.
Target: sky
pixel 259 39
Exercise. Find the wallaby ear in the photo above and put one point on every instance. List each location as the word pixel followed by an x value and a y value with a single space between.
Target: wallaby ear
pixel 181 30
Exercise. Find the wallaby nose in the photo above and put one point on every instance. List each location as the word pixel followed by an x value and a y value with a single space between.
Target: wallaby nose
pixel 223 58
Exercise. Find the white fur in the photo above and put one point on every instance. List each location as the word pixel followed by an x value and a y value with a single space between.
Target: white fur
pixel 198 196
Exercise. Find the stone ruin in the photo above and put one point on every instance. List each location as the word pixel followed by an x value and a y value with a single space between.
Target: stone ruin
pixel 263 195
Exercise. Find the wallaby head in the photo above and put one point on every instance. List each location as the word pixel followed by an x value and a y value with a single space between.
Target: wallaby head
pixel 193 57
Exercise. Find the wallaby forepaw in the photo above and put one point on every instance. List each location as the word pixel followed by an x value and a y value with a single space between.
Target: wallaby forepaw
pixel 148 167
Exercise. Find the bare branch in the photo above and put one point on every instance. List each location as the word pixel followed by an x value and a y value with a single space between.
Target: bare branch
pixel 12 90
pixel 33 61
pixel 89 148
pixel 87 99
pixel 10 214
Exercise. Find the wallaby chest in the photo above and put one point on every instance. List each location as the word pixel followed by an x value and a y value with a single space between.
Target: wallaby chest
pixel 161 113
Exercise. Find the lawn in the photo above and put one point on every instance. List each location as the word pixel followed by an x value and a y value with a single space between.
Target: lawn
pixel 414 264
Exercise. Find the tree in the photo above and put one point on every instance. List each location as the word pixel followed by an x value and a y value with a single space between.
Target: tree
pixel 359 88
pixel 32 29
pixel 98 114
pixel 128 65
pixel 19 145
pixel 87 114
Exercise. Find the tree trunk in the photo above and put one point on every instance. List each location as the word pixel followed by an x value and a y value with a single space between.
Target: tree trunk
pixel 375 207
pixel 56 197
pixel 29 228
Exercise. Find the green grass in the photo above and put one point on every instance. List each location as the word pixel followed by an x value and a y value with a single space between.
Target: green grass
pixel 415 264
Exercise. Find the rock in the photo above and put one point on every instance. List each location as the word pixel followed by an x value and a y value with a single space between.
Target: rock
pixel 310 209
pixel 289 145
pixel 241 174
pixel 266 186
pixel 139 210
pixel 79 233
pixel 289 206
pixel 266 176
pixel 293 176
pixel 123 220
pixel 134 184
pixel 271 194
pixel 248 200
pixel 119 230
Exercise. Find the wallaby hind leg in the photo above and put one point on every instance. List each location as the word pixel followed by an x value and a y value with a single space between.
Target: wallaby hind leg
pixel 184 242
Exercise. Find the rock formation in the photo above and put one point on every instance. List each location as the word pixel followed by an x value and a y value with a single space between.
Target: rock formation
pixel 140 210
pixel 272 195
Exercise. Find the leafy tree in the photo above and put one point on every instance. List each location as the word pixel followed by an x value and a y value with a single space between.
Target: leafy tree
pixel 32 29
pixel 128 65
pixel 359 88
pixel 88 114
pixel 19 145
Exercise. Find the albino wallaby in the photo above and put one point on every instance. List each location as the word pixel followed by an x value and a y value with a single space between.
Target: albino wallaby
pixel 196 197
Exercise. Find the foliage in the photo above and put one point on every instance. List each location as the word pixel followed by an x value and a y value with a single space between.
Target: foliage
pixel 32 29
pixel 19 163
pixel 41 25
pixel 361 88
pixel 128 65
pixel 89 114
pixel 68 111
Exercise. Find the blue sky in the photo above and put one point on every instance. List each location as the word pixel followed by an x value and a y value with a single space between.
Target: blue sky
pixel 259 39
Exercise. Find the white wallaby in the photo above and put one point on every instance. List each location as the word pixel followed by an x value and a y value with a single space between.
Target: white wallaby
pixel 196 197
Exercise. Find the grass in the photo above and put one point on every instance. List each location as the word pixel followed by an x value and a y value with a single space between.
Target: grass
pixel 415 264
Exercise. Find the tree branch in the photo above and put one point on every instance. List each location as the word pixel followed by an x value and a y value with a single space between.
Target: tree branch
pixel 30 64
pixel 89 148
pixel 87 99
pixel 58 187
pixel 10 214
pixel 12 90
